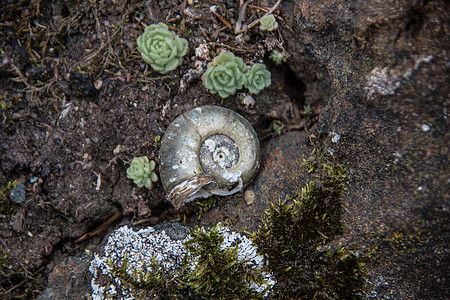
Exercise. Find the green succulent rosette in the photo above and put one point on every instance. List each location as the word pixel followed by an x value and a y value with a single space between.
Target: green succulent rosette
pixel 257 78
pixel 278 57
pixel 141 172
pixel 225 75
pixel 161 48
pixel 268 23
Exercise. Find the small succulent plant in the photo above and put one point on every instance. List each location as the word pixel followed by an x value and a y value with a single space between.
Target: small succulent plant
pixel 225 75
pixel 278 57
pixel 268 23
pixel 257 78
pixel 141 171
pixel 161 48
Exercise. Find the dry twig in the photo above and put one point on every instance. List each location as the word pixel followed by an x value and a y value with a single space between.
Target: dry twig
pixel 111 220
pixel 225 22
pixel 256 22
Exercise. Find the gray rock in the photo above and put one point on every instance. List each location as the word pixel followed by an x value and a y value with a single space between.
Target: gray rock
pixel 176 231
pixel 384 79
pixel 17 194
pixel 69 280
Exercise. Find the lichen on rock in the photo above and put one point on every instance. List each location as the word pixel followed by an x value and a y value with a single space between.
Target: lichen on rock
pixel 153 263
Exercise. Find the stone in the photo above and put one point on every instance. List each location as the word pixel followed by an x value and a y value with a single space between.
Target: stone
pixel 381 72
pixel 17 194
pixel 69 279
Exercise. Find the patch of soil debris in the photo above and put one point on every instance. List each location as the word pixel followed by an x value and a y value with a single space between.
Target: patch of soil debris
pixel 78 104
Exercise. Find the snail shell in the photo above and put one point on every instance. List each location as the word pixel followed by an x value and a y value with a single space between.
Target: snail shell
pixel 209 150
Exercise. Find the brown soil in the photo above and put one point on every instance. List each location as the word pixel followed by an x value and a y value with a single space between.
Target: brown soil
pixel 78 103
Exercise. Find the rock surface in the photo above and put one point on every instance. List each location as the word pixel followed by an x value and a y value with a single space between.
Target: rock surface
pixel 385 67
pixel 69 280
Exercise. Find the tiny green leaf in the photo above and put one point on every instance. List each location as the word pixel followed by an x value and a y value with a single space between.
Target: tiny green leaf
pixel 278 57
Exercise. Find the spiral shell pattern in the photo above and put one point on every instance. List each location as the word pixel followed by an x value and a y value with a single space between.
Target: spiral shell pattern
pixel 209 150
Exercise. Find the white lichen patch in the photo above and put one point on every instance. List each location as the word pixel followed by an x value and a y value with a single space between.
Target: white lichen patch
pixel 335 137
pixel 192 144
pixel 139 247
pixel 247 253
pixel 381 81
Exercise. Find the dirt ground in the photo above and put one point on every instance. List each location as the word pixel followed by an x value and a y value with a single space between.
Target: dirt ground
pixel 78 103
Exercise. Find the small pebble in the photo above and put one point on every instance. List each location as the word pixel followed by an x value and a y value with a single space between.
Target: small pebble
pixel 425 127
pixel 17 194
pixel 98 84
pixel 249 196
pixel 248 101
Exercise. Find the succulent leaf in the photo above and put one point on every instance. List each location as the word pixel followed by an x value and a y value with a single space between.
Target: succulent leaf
pixel 278 57
pixel 257 78
pixel 225 75
pixel 141 171
pixel 268 23
pixel 161 48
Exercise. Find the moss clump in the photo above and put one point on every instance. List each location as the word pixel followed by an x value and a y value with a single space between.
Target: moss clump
pixel 214 264
pixel 294 237
pixel 3 256
pixel 155 284
pixel 217 273
pixel 5 203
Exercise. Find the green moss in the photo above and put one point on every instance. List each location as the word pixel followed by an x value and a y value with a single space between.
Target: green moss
pixel 157 284
pixel 3 256
pixel 207 271
pixel 277 128
pixel 5 203
pixel 295 233
pixel 206 204
pixel 218 274
pixel 344 275
pixel 307 109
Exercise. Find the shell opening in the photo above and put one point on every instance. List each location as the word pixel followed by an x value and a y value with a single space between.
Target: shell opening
pixel 189 189
pixel 200 187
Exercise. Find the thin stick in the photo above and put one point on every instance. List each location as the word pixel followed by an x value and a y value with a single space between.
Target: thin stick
pixel 242 9
pixel 111 220
pixel 225 22
pixel 259 20
pixel 264 10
